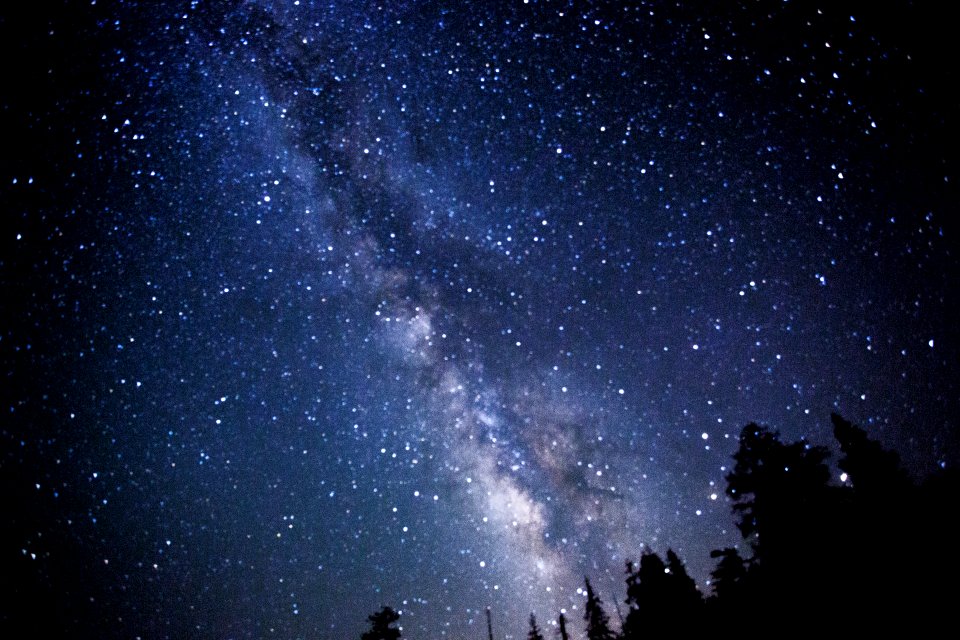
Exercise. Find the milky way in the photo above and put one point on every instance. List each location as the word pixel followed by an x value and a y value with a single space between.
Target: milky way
pixel 315 308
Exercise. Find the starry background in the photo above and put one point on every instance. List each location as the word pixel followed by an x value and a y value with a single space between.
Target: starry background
pixel 310 308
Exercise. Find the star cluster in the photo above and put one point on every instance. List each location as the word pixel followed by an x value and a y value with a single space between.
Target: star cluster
pixel 311 308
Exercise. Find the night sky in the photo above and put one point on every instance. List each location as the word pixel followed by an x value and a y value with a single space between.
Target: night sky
pixel 311 308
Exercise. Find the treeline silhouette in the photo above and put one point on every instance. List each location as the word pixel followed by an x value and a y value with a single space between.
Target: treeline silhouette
pixel 876 553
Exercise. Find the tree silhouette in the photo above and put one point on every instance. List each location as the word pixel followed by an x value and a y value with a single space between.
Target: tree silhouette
pixel 562 631
pixel 828 559
pixel 732 600
pixel 881 513
pixel 728 578
pixel 380 625
pixel 686 598
pixel 790 516
pixel 534 633
pixel 773 485
pixel 645 595
pixel 874 471
pixel 598 624
pixel 643 592
pixel 662 597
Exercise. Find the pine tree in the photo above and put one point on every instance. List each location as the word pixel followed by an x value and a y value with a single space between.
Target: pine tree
pixel 686 596
pixel 598 624
pixel 534 633
pixel 772 484
pixel 786 506
pixel 663 598
pixel 728 577
pixel 562 621
pixel 380 625
pixel 874 471
pixel 647 594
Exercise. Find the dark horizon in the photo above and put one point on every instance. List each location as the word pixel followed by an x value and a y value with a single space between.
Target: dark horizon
pixel 815 557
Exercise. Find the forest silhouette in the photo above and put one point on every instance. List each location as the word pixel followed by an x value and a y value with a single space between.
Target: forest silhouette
pixel 875 553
